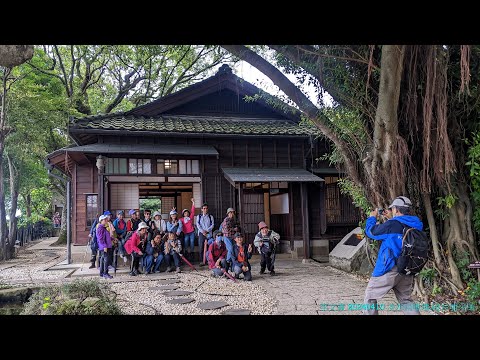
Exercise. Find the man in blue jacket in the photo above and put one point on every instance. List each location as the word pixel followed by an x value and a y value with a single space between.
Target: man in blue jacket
pixel 385 275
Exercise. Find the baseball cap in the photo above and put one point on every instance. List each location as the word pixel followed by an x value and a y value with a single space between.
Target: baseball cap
pixel 131 212
pixel 230 210
pixel 106 212
pixel 102 217
pixel 401 201
pixel 173 212
pixel 261 225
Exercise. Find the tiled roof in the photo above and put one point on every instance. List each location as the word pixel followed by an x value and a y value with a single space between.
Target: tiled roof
pixel 269 175
pixel 195 124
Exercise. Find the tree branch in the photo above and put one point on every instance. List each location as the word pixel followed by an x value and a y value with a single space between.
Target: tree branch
pixel 304 104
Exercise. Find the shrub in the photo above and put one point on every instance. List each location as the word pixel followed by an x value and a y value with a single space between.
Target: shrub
pixel 81 297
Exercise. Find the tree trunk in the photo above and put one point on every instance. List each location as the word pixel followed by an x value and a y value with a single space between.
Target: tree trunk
pixel 14 186
pixel 433 230
pixel 386 123
pixel 28 205
pixel 63 227
pixel 3 215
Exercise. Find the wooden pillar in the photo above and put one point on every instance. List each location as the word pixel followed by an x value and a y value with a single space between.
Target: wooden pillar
pixel 241 208
pixel 305 222
pixel 101 186
pixel 323 209
pixel 101 192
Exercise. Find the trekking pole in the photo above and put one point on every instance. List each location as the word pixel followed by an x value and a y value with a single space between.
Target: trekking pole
pixel 187 262
pixel 228 275
pixel 85 254
pixel 205 251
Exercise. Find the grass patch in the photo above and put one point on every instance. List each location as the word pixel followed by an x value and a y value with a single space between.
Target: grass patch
pixel 81 297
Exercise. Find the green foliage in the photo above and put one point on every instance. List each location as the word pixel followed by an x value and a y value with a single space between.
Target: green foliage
pixel 445 204
pixel 436 290
pixel 428 275
pixel 348 187
pixel 473 164
pixel 106 78
pixel 473 292
pixel 150 204
pixel 69 299
pixel 462 261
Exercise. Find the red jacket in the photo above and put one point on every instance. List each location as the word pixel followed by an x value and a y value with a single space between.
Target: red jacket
pixel 132 243
pixel 188 225
pixel 216 253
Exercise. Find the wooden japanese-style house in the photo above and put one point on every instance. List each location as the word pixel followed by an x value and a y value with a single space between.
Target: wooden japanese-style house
pixel 208 141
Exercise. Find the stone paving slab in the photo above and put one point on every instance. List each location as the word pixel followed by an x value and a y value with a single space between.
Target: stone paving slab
pixel 164 287
pixel 177 293
pixel 180 301
pixel 212 305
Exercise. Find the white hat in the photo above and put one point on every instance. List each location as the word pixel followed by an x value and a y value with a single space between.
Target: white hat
pixel 102 217
pixel 401 201
pixel 156 213
pixel 142 225
pixel 230 210
pixel 173 212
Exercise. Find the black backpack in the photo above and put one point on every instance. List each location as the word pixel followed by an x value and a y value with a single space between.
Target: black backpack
pixel 415 250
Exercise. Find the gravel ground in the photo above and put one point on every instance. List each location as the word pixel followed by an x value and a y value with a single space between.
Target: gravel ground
pixel 135 298
pixel 30 265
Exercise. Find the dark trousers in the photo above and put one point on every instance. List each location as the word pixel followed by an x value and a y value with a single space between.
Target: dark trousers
pixel 266 260
pixel 158 262
pixel 105 261
pixel 93 259
pixel 135 261
pixel 176 259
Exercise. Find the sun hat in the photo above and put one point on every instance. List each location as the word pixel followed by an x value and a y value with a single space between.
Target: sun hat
pixel 142 225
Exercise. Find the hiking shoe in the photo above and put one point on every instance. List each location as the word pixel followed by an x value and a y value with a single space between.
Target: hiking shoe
pixel 177 270
pixel 92 266
pixel 169 269
pixel 108 276
pixel 262 271
pixel 272 273
pixel 237 276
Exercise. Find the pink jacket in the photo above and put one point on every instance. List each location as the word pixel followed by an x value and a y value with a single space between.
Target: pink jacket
pixel 132 243
pixel 187 222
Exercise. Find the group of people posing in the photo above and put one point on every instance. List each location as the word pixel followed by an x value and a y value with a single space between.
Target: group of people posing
pixel 151 241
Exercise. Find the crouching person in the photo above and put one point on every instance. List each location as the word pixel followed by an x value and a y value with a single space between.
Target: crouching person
pixel 217 253
pixel 154 254
pixel 132 247
pixel 240 255
pixel 173 248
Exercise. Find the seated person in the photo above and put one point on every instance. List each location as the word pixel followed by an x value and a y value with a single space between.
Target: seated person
pixel 133 245
pixel 217 253
pixel 173 247
pixel 154 254
pixel 210 241
pixel 240 255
